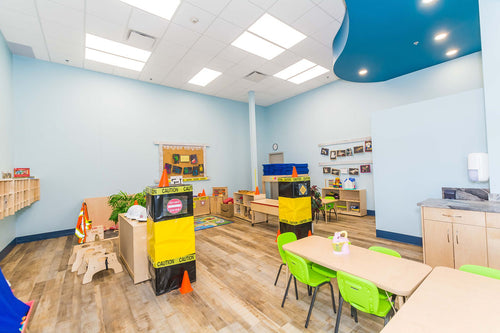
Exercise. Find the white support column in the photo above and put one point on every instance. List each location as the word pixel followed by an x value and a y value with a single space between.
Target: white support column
pixel 489 12
pixel 253 137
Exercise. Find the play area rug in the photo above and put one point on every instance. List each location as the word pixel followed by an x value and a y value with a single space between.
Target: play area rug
pixel 205 222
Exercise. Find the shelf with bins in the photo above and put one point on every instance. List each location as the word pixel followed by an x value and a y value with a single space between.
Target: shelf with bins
pixel 16 194
pixel 349 202
pixel 242 201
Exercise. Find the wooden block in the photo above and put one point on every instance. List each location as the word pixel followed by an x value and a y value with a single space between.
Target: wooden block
pixel 94 234
pixel 99 263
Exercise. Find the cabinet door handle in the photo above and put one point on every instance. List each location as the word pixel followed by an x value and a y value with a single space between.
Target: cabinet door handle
pixel 448 215
pixel 456 236
pixel 448 235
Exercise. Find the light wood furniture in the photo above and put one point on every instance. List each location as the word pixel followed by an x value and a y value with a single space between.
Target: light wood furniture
pixel 201 206
pixel 17 193
pixel 326 202
pixel 274 179
pixel 215 203
pixel 220 191
pixel 261 209
pixel 133 248
pixel 396 275
pixel 242 209
pixel 348 199
pixel 99 212
pixel 454 237
pixel 440 304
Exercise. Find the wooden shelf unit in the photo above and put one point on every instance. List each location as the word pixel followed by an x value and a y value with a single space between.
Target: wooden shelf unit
pixel 242 201
pixel 348 199
pixel 15 194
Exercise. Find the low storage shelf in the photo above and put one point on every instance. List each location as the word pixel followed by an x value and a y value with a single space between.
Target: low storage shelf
pixel 349 202
pixel 242 208
pixel 15 194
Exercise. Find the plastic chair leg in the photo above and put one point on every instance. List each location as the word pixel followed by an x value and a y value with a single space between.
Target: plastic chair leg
pixel 311 306
pixel 277 276
pixel 339 314
pixel 296 292
pixel 333 297
pixel 286 291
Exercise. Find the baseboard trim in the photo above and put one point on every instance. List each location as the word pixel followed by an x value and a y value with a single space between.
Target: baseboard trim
pixel 399 237
pixel 33 238
pixel 7 249
pixel 370 212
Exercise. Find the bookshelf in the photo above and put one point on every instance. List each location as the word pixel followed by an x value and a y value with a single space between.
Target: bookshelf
pixel 242 201
pixel 350 202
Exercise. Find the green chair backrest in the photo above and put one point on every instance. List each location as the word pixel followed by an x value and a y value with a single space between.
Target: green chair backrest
pixel 360 293
pixel 331 205
pixel 481 270
pixel 385 250
pixel 283 239
pixel 298 266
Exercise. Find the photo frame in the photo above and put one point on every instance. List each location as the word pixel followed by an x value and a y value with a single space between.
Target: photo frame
pixel 359 149
pixel 344 171
pixel 341 153
pixel 333 154
pixel 366 168
pixel 324 151
pixel 177 169
pixel 353 171
pixel 348 152
pixel 368 145
pixel 326 169
pixel 335 172
pixel 168 167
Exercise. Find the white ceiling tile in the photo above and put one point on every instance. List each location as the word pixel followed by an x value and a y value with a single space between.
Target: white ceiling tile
pixel 180 35
pixel 15 19
pixel 335 8
pixel 241 13
pixel 315 19
pixel 240 70
pixel 40 51
pixel 288 13
pixel 75 4
pixel 286 59
pixel 220 64
pixel 126 73
pixel 212 6
pixel 233 54
pixel 147 23
pixel 66 54
pixel 208 46
pixel 187 12
pixel 56 32
pixel 224 31
pixel 106 29
pixel 264 4
pixel 97 66
pixel 313 50
pixel 168 51
pixel 63 15
pixel 113 11
pixel 269 68
pixel 326 35
pixel 20 6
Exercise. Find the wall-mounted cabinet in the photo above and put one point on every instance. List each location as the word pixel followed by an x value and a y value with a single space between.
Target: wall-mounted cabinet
pixel 16 194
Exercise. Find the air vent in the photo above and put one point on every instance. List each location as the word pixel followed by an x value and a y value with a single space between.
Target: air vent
pixel 20 49
pixel 256 76
pixel 140 40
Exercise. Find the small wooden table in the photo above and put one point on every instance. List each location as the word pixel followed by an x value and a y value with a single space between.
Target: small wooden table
pixel 396 275
pixel 326 202
pixel 264 206
pixel 450 300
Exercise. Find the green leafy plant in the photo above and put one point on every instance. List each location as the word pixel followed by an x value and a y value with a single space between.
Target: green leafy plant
pixel 316 203
pixel 122 201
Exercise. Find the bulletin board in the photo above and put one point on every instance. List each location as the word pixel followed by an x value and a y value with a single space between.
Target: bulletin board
pixel 186 160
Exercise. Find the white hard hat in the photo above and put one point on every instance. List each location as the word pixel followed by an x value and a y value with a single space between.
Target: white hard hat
pixel 137 212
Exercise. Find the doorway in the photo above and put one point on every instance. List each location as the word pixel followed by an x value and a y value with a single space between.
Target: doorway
pixel 273 159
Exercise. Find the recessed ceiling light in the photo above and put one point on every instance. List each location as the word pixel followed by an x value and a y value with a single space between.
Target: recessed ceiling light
pixel 427 2
pixel 441 36
pixel 119 49
pixel 295 69
pixel 204 77
pixel 416 42
pixel 258 46
pixel 113 60
pixel 363 71
pixel 276 31
pixel 451 52
pixel 163 8
pixel 308 75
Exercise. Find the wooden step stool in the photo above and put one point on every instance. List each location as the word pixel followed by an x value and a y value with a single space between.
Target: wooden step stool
pixel 99 262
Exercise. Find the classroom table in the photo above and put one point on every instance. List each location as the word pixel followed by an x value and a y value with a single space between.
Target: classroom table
pixel 450 300
pixel 264 206
pixel 396 275
pixel 326 202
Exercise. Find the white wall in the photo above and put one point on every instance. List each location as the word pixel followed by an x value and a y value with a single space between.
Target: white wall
pixel 421 148
pixel 342 110
pixel 88 134
pixel 7 225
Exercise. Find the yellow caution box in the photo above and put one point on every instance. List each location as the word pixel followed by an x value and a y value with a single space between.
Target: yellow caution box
pixel 295 210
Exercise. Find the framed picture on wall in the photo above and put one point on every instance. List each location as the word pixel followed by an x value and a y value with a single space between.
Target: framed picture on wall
pixel 344 171
pixel 341 153
pixel 326 169
pixel 324 151
pixel 353 171
pixel 359 149
pixel 368 145
pixel 335 172
pixel 333 154
pixel 348 152
pixel 365 168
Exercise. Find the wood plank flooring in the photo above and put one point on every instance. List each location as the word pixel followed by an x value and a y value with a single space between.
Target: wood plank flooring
pixel 234 291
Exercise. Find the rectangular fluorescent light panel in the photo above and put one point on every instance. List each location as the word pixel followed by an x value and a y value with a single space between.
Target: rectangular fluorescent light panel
pixel 113 60
pixel 258 46
pixel 308 75
pixel 204 77
pixel 119 49
pixel 295 69
pixel 161 8
pixel 276 31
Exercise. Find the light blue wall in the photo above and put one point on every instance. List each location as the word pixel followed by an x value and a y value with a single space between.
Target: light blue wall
pixel 422 147
pixel 88 134
pixel 342 110
pixel 7 225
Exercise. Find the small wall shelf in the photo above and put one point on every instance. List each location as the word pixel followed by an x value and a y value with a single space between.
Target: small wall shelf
pixel 17 193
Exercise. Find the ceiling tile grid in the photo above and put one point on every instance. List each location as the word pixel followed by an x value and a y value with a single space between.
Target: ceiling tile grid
pixel 199 35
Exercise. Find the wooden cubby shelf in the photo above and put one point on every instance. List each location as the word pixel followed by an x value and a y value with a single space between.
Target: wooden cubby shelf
pixel 350 202
pixel 242 201
pixel 17 193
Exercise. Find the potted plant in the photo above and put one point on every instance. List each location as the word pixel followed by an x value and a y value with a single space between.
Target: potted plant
pixel 316 203
pixel 122 201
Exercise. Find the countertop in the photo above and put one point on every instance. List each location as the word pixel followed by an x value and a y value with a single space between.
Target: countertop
pixel 480 206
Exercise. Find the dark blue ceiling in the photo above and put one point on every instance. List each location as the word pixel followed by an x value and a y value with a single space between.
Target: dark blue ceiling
pixel 380 35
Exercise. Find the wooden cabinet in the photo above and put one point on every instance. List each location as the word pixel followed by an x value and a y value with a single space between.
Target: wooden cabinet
pixel 350 202
pixel 242 207
pixel 133 248
pixel 453 238
pixel 493 239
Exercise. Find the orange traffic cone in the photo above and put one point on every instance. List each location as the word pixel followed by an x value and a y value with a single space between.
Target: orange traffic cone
pixel 135 202
pixel 164 179
pixel 294 173
pixel 186 284
pixel 309 233
pixel 203 193
pixel 277 235
pixel 257 192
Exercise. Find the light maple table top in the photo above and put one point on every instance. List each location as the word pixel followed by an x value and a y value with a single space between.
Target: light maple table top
pixel 266 202
pixel 450 300
pixel 396 275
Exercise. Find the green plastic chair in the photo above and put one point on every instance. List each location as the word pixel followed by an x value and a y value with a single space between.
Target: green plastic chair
pixel 330 207
pixel 385 250
pixel 363 295
pixel 283 239
pixel 481 270
pixel 301 270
